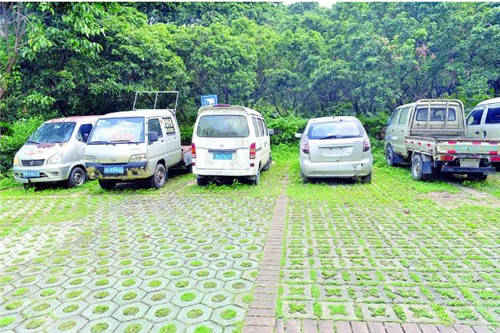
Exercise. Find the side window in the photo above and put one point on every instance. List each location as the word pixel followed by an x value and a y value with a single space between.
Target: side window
pixel 493 116
pixel 266 133
pixel 255 123
pixel 169 126
pixel 475 118
pixel 154 126
pixel 83 132
pixel 261 127
pixel 394 118
pixel 438 114
pixel 421 114
pixel 452 114
pixel 403 117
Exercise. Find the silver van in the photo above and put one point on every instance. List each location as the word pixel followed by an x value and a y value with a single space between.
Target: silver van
pixel 55 152
pixel 335 147
pixel 484 120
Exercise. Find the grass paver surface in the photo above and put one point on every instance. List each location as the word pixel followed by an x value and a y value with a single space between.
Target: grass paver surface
pixel 186 258
pixel 394 250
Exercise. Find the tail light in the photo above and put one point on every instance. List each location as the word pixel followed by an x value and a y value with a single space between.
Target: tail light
pixel 446 158
pixel 452 151
pixel 253 151
pixel 366 145
pixel 193 150
pixel 305 147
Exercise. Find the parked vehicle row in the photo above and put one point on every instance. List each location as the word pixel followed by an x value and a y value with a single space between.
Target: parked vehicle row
pixel 431 135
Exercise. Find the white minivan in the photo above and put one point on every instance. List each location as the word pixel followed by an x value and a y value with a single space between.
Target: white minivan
pixel 484 120
pixel 230 141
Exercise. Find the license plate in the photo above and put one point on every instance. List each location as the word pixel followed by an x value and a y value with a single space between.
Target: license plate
pixel 469 163
pixel 116 170
pixel 223 155
pixel 31 174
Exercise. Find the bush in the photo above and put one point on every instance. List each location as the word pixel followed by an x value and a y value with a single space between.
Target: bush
pixel 186 134
pixel 375 124
pixel 285 128
pixel 19 131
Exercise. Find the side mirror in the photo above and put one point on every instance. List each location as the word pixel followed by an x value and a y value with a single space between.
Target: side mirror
pixel 270 131
pixel 298 135
pixel 85 137
pixel 152 137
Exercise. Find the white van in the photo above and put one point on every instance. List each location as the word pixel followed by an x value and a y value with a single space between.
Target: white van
pixel 135 145
pixel 230 141
pixel 55 153
pixel 484 120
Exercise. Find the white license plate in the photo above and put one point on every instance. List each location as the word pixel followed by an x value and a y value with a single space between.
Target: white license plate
pixel 31 174
pixel 469 163
pixel 116 170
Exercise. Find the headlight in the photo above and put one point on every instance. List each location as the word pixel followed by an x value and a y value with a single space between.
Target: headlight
pixel 89 158
pixel 55 159
pixel 16 161
pixel 137 157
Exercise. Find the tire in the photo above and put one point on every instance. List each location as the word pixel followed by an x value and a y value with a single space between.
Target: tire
pixel 27 186
pixel 366 179
pixel 477 176
pixel 268 164
pixel 201 181
pixel 159 177
pixel 305 180
pixel 107 184
pixel 77 177
pixel 389 156
pixel 417 167
pixel 255 180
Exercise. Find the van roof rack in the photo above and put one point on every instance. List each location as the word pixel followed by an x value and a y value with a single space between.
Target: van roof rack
pixel 156 93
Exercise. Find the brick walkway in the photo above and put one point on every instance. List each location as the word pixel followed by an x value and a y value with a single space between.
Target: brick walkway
pixel 327 326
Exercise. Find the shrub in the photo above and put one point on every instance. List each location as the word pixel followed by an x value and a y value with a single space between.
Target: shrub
pixel 285 128
pixel 18 133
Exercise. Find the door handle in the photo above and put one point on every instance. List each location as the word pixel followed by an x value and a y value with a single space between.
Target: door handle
pixel 476 132
pixel 485 134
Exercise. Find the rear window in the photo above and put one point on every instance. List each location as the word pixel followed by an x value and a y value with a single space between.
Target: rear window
pixel 223 126
pixel 334 130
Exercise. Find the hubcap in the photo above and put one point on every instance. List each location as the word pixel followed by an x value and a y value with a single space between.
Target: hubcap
pixel 416 168
pixel 78 178
pixel 159 176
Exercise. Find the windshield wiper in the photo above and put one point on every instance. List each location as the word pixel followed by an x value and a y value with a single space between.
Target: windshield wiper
pixel 99 143
pixel 329 137
pixel 124 141
pixel 31 141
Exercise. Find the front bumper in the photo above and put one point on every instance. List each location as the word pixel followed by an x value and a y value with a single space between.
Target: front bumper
pixel 336 169
pixel 48 173
pixel 132 170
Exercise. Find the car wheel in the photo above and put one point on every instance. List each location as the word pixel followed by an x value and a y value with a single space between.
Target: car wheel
pixel 417 167
pixel 477 176
pixel 77 177
pixel 201 181
pixel 27 186
pixel 304 178
pixel 107 184
pixel 389 156
pixel 255 180
pixel 159 177
pixel 367 179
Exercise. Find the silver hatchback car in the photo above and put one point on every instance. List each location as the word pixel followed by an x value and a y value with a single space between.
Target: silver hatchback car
pixel 335 147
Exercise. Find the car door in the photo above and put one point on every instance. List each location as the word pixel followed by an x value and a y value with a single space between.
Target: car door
pixel 491 127
pixel 391 129
pixel 267 142
pixel 80 143
pixel 259 135
pixel 402 131
pixel 173 140
pixel 474 123
pixel 156 150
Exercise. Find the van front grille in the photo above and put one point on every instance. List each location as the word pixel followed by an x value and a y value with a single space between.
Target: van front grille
pixel 32 162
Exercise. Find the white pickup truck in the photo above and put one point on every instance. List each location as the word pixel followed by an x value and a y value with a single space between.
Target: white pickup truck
pixel 430 135
pixel 136 145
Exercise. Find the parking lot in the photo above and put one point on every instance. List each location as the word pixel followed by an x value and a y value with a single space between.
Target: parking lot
pixel 187 257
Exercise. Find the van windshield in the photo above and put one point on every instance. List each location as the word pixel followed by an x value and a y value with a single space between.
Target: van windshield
pixel 118 130
pixel 223 126
pixel 334 130
pixel 52 133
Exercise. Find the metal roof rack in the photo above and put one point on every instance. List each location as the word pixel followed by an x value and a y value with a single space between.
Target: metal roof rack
pixel 156 93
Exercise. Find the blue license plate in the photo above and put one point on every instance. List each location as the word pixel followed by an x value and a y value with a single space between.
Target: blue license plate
pixel 115 170
pixel 223 155
pixel 31 174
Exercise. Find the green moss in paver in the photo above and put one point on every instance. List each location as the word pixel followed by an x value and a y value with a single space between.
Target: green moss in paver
pixel 70 308
pixel 13 305
pixel 133 328
pixel 100 309
pixel 182 284
pixel 130 311
pixel 102 294
pixel 219 298
pixel 154 284
pixel 74 294
pixel 158 297
pixel 20 292
pixel 128 283
pixel 188 297
pixel 129 296
pixel 296 308
pixel 194 313
pixel 102 282
pixel 400 313
pixel 35 323
pixel 337 309
pixel 67 325
pixel 202 273
pixel 76 282
pixel 169 328
pixel 99 327
pixel 228 314
pixel 203 329
pixel 6 321
pixel 420 312
pixel 41 307
pixel 47 292
pixel 162 312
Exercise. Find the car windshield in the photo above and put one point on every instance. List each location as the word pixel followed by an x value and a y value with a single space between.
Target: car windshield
pixel 118 130
pixel 223 126
pixel 333 130
pixel 52 133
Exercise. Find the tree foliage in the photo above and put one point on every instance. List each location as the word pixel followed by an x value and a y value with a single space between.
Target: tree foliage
pixel 297 60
